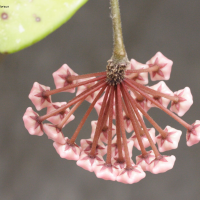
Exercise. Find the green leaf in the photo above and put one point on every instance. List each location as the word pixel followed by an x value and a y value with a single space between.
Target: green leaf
pixel 25 22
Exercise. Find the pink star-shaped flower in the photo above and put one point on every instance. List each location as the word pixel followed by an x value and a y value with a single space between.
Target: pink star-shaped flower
pixel 142 77
pixel 89 163
pixel 60 77
pixel 184 103
pixel 164 64
pixel 82 88
pixel 104 134
pixel 193 136
pixel 37 96
pixel 171 141
pixel 69 152
pixel 145 141
pixel 56 119
pixel 162 164
pixel 120 165
pixel 130 176
pixel 160 87
pixel 54 133
pixel 86 145
pixel 114 147
pixel 106 171
pixel 144 162
pixel 31 122
pixel 143 103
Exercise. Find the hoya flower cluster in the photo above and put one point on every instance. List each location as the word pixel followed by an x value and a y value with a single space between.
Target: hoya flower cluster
pixel 121 99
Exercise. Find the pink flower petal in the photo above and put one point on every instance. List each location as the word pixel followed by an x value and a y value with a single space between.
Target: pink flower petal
pixel 171 141
pixel 162 165
pixel 144 139
pixel 36 96
pixel 130 176
pixel 106 172
pixel 89 163
pixel 121 165
pixel 104 134
pixel 60 77
pixel 114 148
pixel 193 136
pixel 160 87
pixel 144 162
pixel 56 119
pixel 142 78
pixel 67 151
pixel 86 145
pixel 164 65
pixel 31 122
pixel 54 133
pixel 185 101
pixel 142 103
pixel 82 88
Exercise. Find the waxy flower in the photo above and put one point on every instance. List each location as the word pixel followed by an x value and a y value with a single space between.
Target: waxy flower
pixel 37 96
pixel 32 122
pixel 56 119
pixel 67 151
pixel 162 164
pixel 170 140
pixel 193 135
pixel 162 67
pixel 62 78
pixel 184 102
pixel 132 175
pixel 121 100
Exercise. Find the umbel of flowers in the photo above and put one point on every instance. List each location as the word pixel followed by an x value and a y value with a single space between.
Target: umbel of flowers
pixel 122 100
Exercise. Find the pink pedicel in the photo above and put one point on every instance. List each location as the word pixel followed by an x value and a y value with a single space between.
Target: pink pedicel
pixel 193 136
pixel 82 88
pixel 161 165
pixel 56 119
pixel 106 171
pixel 54 133
pixel 130 176
pixel 164 67
pixel 61 77
pixel 184 103
pixel 144 161
pixel 142 77
pixel 145 141
pixel 104 133
pixel 31 122
pixel 170 141
pixel 122 95
pixel 114 147
pixel 160 87
pixel 37 96
pixel 98 106
pixel 88 162
pixel 69 152
pixel 86 145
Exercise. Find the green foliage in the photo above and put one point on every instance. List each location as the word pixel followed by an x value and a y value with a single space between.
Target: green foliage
pixel 25 22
